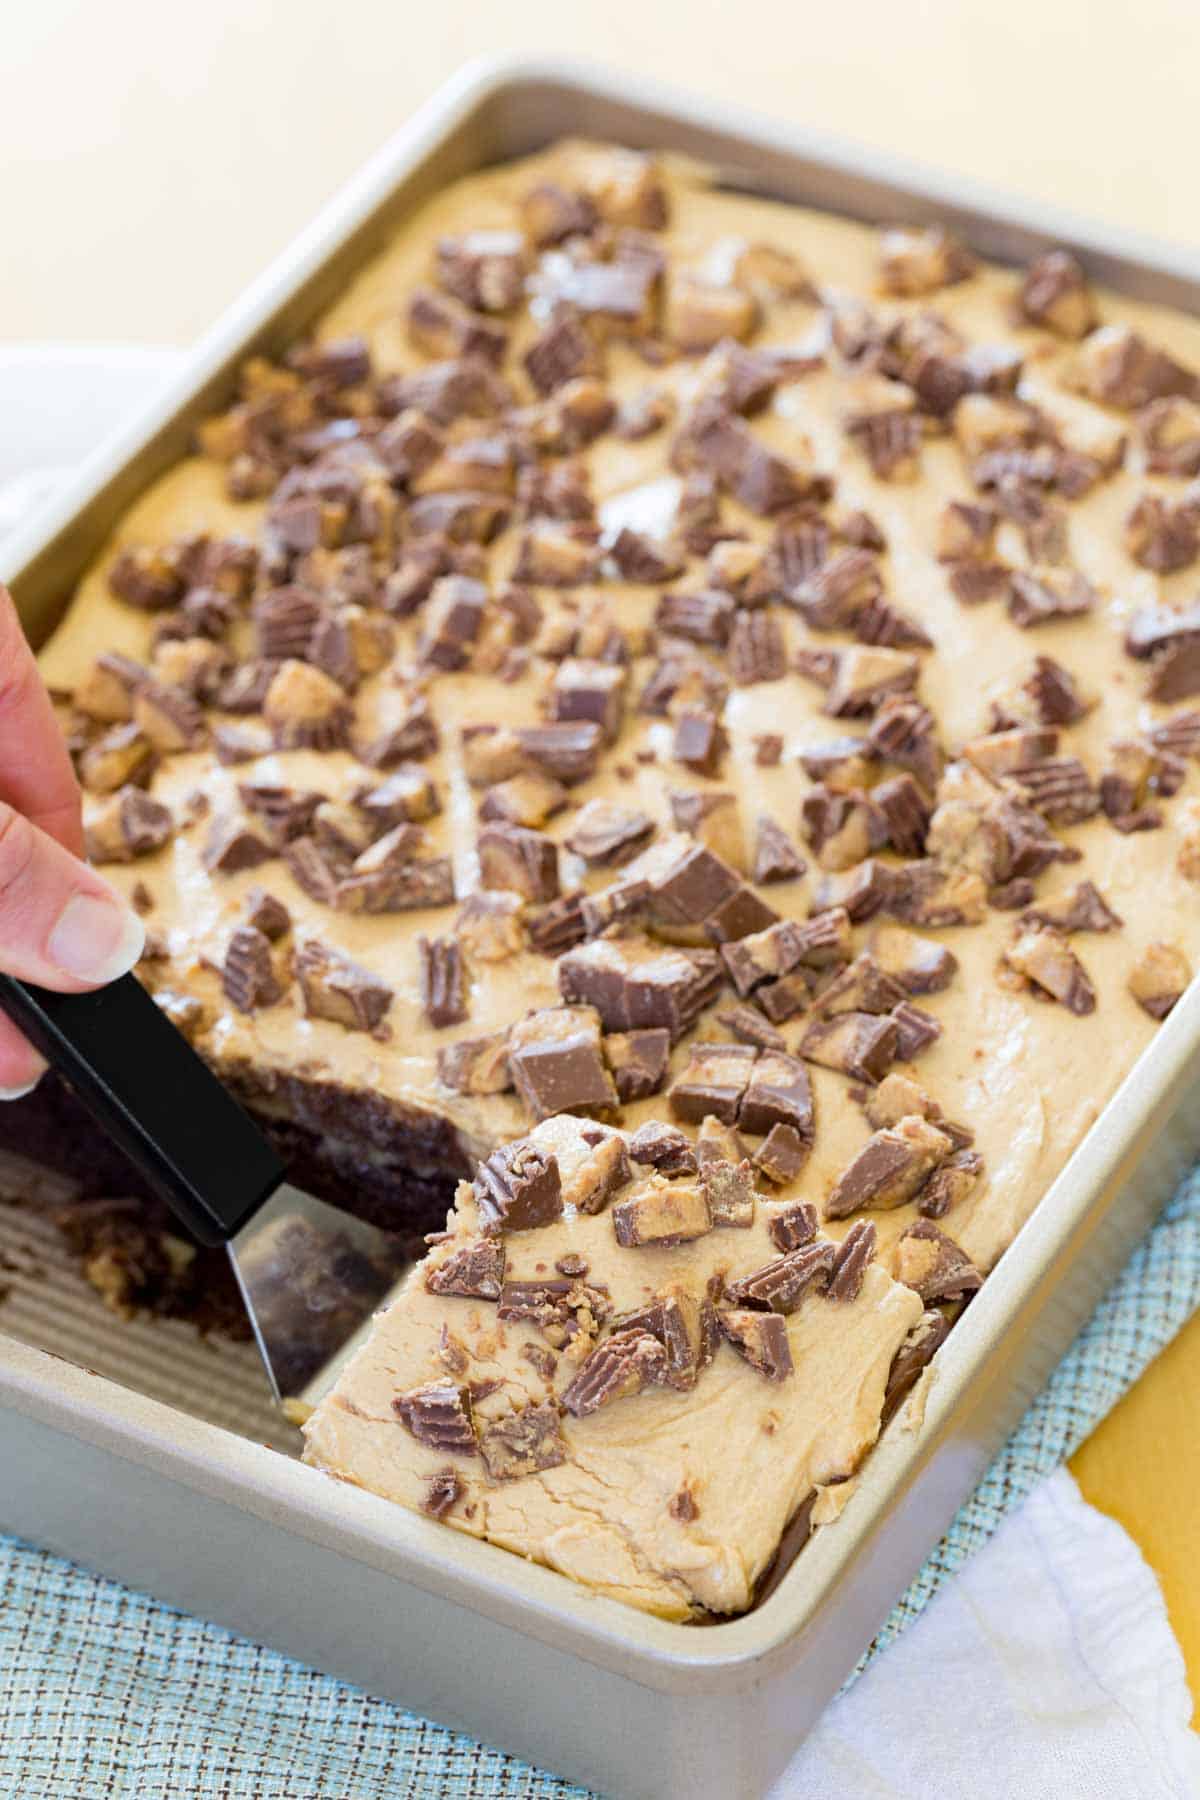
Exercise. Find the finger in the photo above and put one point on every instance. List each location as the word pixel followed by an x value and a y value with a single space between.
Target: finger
pixel 20 1065
pixel 61 925
pixel 36 776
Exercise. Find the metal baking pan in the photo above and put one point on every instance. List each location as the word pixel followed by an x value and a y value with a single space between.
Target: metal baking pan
pixel 124 1476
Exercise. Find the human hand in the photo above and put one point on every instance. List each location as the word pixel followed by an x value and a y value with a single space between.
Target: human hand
pixel 61 925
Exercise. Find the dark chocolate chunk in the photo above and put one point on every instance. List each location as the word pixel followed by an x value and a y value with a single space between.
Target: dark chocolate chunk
pixel 920 965
pixel 147 577
pixel 703 618
pixel 1055 293
pixel 1043 956
pixel 916 1030
pixel 439 1414
pixel 337 988
pixel 475 1271
pixel 780 1285
pixel 890 441
pixel 676 1318
pixel 388 884
pixel 1119 368
pixel 905 812
pixel 561 353
pixel 454 389
pixel 700 740
pixel 485 270
pixel 766 955
pixel 550 213
pixel 585 690
pixel 518 1188
pixel 266 914
pixel 1179 735
pixel 306 709
pixel 248 975
pixel 794 1226
pixel 621 1366
pixel 843 829
pixel 642 558
pixel 914 1355
pixel 904 732
pixel 315 872
pixel 443 991
pixel 714 1081
pixel 664 1148
pixel 638 1062
pixel 1060 789
pixel 661 1212
pixel 559 926
pixel 556 1062
pixel 607 834
pixel 859 892
pixel 522 1442
pixel 452 621
pixel 892 1167
pixel 440 326
pixel 862 986
pixel 856 1044
pixel 1084 908
pixel 1037 596
pixel 761 1339
pixel 413 737
pixel 778 1093
pixel 850 1262
pixel 749 1027
pixel 932 1263
pixel 633 983
pixel 284 813
pixel 232 846
pixel 949 1184
pixel 462 516
pixel 408 794
pixel 686 884
pixel 476 1065
pixel 1158 978
pixel 127 825
pixel 782 1154
pixel 443 1491
pixel 285 618
pixel 740 915
pixel 570 752
pixel 973 583
pixel 1163 536
pixel 775 856
pixel 523 861
pixel 562 1307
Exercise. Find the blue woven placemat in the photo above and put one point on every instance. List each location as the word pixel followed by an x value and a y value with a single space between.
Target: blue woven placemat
pixel 104 1693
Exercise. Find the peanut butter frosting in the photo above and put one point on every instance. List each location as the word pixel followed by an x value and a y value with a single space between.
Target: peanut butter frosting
pixel 665 668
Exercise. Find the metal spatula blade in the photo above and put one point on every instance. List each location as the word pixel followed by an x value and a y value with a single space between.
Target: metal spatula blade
pixel 311 1275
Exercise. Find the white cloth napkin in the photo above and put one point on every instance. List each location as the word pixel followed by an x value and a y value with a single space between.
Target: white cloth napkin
pixel 1047 1668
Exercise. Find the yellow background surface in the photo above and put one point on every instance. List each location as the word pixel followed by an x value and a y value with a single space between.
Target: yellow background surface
pixel 153 157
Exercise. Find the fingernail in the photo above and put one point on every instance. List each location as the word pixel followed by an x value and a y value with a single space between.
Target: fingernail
pixel 95 939
pixel 19 1093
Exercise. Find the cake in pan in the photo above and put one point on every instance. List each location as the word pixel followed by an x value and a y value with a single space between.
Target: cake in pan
pixel 676 714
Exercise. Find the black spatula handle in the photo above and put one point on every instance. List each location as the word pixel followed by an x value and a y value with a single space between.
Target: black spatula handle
pixel 145 1086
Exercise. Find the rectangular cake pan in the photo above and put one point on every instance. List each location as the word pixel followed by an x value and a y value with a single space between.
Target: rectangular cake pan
pixel 153 1477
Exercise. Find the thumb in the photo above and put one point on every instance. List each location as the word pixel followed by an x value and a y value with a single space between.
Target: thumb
pixel 61 926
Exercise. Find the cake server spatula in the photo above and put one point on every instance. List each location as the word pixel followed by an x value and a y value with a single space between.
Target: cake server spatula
pixel 310 1275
